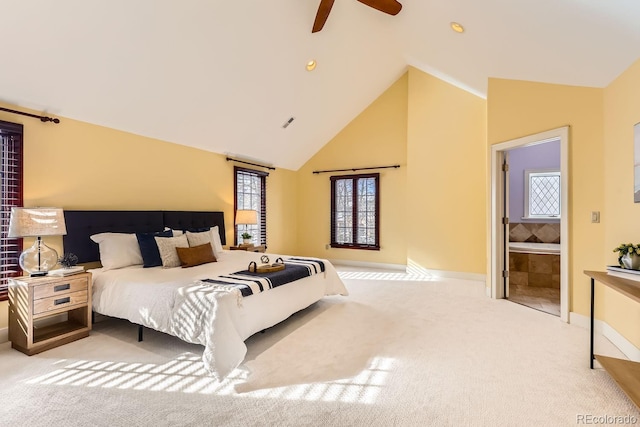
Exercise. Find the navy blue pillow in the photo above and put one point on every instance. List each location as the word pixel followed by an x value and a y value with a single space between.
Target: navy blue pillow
pixel 149 247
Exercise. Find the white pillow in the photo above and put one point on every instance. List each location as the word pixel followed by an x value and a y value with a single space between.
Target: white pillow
pixel 212 236
pixel 217 243
pixel 118 250
pixel 167 247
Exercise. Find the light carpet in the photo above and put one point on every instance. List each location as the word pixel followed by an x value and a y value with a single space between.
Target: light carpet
pixel 401 350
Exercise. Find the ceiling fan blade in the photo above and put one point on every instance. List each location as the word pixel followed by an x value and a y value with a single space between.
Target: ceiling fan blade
pixel 392 7
pixel 322 15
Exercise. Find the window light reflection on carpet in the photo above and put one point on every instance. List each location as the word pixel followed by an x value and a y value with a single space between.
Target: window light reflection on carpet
pixel 186 374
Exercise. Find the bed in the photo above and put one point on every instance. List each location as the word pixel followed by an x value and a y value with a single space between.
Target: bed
pixel 179 301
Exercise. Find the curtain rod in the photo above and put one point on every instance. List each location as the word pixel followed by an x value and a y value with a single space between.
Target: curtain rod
pixel 229 159
pixel 357 169
pixel 42 118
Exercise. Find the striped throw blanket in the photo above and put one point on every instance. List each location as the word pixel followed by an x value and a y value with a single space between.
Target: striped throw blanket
pixel 249 283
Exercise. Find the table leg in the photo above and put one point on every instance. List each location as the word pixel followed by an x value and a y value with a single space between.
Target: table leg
pixel 592 314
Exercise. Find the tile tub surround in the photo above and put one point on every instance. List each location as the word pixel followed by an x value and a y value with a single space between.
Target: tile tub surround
pixel 535 270
pixel 534 232
pixel 534 281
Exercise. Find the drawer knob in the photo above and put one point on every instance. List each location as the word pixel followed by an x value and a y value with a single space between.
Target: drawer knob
pixel 62 301
pixel 64 287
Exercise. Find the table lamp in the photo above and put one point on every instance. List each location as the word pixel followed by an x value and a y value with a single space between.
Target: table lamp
pixel 37 222
pixel 246 217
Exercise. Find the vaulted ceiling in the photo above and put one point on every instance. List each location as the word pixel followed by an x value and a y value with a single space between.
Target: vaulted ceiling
pixel 224 76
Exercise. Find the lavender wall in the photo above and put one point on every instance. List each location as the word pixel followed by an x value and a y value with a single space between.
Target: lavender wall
pixel 541 156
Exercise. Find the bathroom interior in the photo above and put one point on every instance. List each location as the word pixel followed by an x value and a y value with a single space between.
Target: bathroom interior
pixel 534 229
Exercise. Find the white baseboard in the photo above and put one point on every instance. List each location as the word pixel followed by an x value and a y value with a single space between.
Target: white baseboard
pixel 4 335
pixel 603 328
pixel 416 269
pixel 364 264
pixel 413 269
pixel 476 277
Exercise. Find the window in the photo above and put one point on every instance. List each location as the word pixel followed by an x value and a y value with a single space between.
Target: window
pixel 542 194
pixel 251 193
pixel 355 217
pixel 10 196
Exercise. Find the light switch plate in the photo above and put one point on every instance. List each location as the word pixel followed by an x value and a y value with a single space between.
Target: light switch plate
pixel 595 216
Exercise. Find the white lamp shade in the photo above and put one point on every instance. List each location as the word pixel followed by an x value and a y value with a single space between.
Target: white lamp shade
pixel 36 222
pixel 246 217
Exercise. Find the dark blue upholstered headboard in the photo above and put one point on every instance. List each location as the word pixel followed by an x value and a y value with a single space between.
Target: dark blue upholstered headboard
pixel 82 224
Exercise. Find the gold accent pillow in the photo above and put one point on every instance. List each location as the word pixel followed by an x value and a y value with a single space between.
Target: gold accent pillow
pixel 196 255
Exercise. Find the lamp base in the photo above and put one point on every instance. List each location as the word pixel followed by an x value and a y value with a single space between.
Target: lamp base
pixel 38 259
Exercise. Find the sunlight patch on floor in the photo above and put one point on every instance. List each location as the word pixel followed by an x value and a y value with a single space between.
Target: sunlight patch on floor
pixel 187 375
pixel 363 388
pixel 379 275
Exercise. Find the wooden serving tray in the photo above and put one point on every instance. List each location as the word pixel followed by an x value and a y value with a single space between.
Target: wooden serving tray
pixel 269 268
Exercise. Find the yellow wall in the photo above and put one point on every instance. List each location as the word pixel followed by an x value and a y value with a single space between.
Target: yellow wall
pixel 622 219
pixel 446 188
pixel 377 137
pixel 519 108
pixel 435 201
pixel 76 165
pixel 601 153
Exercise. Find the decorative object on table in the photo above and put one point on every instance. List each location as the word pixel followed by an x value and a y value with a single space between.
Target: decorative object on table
pixel 246 238
pixel 636 168
pixel 625 273
pixel 629 256
pixel 68 260
pixel 67 271
pixel 246 217
pixel 37 222
pixel 266 267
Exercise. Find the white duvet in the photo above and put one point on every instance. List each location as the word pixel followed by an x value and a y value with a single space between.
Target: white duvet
pixel 172 301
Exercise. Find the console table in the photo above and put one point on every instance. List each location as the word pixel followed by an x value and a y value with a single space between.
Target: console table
pixel 626 373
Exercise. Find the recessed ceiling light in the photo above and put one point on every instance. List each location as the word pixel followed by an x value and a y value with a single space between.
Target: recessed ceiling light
pixel 457 27
pixel 311 65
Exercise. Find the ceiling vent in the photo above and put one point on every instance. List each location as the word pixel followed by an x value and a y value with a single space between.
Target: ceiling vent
pixel 288 122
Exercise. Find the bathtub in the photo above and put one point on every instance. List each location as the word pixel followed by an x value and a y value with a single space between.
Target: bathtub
pixel 535 248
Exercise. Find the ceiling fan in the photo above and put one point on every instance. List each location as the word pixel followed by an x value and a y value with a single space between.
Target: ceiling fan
pixel 392 7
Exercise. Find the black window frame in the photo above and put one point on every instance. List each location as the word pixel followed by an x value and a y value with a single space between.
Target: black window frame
pixel 355 245
pixel 262 213
pixel 11 195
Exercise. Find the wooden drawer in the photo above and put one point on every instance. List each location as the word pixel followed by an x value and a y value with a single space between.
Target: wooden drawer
pixel 58 302
pixel 59 287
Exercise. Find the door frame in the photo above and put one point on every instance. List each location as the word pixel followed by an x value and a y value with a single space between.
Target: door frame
pixel 497 199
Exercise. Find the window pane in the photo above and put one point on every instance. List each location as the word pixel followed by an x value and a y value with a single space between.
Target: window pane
pixel 366 211
pixel 544 194
pixel 355 225
pixel 11 154
pixel 249 196
pixel 343 213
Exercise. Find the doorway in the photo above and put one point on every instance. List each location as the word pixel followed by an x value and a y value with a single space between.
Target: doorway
pixel 531 224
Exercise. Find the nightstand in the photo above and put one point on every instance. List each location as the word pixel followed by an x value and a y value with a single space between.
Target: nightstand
pixel 38 307
pixel 248 248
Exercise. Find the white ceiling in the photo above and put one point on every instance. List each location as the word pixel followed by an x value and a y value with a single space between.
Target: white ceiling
pixel 224 76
